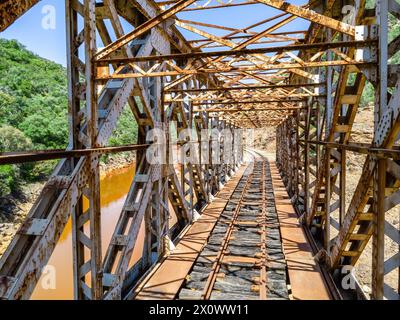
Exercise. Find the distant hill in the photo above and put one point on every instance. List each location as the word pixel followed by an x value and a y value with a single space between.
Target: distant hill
pixel 33 96
pixel 33 112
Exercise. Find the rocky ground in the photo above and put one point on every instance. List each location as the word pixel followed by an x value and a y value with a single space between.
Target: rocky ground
pixel 117 161
pixel 13 211
pixel 265 139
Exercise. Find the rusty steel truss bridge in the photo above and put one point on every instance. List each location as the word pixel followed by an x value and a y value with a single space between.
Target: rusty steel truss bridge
pixel 306 83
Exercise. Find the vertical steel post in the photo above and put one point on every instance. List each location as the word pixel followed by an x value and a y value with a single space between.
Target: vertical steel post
pixel 92 119
pixel 83 266
pixel 378 241
pixel 307 160
pixel 383 31
pixel 328 124
pixel 342 196
pixel 327 233
pixel 380 170
pixel 329 79
pixel 74 105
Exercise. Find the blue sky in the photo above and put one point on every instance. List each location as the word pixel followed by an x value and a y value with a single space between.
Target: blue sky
pixel 50 43
pixel 28 30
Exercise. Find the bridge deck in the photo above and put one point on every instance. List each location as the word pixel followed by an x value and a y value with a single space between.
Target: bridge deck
pixel 247 244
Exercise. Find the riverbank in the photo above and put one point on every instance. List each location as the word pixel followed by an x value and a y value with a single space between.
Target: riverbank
pixel 15 208
pixel 116 162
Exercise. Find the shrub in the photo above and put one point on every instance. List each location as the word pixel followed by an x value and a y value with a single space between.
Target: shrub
pixel 13 139
pixel 8 179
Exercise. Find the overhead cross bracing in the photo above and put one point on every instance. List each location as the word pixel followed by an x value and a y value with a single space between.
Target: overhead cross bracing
pixel 262 53
pixel 300 67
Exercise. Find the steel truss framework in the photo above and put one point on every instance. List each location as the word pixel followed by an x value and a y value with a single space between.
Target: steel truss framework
pixel 306 83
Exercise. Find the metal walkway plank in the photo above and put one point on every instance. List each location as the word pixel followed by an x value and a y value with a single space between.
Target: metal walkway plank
pixel 305 276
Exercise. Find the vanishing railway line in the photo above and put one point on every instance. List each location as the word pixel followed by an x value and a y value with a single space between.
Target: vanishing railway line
pixel 243 258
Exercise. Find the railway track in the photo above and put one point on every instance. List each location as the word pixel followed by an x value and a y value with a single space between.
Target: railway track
pixel 243 258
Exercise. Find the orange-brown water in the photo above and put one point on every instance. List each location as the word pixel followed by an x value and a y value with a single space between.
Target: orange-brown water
pixel 114 188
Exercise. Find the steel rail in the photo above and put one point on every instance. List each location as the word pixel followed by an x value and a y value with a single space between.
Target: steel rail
pixel 263 271
pixel 208 287
pixel 327 276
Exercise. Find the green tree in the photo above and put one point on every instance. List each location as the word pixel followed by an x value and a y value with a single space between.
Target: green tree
pixel 8 179
pixel 13 139
pixel 126 129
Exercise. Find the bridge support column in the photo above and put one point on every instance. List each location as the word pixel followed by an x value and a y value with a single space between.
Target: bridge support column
pixel 86 227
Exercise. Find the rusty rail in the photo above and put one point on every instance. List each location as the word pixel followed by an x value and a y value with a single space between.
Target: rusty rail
pixel 43 155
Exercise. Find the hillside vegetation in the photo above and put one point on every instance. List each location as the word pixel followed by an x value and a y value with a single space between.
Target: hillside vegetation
pixel 33 113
